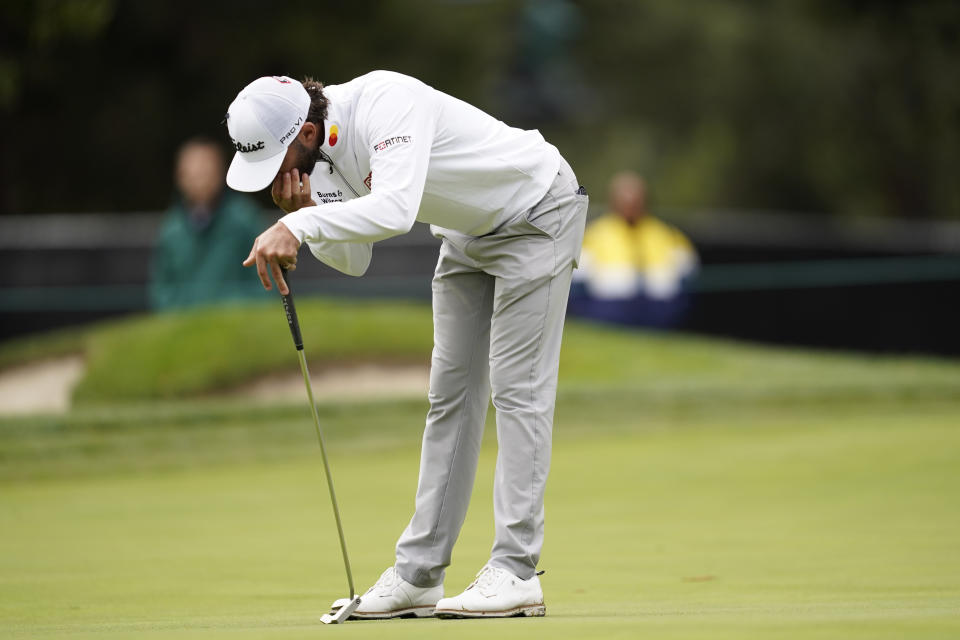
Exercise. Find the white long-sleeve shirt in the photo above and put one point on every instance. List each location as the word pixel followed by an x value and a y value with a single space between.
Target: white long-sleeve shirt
pixel 397 151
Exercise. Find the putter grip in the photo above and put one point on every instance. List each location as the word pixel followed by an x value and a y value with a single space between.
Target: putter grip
pixel 291 313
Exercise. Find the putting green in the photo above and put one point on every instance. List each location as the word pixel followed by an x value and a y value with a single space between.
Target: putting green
pixel 834 520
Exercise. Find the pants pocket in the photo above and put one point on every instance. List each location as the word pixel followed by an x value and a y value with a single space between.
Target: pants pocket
pixel 546 221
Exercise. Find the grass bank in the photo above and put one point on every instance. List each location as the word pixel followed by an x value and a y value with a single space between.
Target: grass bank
pixel 193 354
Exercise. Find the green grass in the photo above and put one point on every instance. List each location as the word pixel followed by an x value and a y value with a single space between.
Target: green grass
pixel 699 489
pixel 720 524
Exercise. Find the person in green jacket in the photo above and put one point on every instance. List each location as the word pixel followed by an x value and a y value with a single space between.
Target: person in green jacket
pixel 206 234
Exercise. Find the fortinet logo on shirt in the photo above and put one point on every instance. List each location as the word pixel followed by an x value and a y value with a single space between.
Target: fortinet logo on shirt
pixel 380 146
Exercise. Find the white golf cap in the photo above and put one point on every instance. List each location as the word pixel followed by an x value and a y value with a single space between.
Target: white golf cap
pixel 263 120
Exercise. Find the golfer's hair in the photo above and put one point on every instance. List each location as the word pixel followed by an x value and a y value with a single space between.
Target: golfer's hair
pixel 318 101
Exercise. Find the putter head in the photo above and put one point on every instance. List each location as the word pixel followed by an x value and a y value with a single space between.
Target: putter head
pixel 343 613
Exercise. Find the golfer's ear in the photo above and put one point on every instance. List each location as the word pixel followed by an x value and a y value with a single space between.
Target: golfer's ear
pixel 308 134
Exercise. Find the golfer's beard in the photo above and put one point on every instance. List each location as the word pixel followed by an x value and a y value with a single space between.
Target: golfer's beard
pixel 307 159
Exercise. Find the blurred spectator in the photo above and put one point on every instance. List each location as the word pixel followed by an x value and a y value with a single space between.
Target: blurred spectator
pixel 634 268
pixel 206 234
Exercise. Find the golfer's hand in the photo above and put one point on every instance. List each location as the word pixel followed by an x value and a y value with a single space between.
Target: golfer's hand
pixel 274 248
pixel 291 191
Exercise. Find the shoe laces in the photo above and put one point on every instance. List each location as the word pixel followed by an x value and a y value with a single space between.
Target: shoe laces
pixel 487 577
pixel 387 581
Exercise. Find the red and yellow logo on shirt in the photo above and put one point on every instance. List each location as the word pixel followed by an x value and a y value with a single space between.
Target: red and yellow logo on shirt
pixel 332 140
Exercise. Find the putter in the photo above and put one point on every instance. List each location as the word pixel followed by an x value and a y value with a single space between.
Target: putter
pixel 344 612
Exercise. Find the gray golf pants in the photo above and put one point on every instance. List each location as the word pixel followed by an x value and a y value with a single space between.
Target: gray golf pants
pixel 498 308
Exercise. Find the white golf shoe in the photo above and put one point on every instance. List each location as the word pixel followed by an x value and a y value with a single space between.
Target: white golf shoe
pixel 496 593
pixel 394 597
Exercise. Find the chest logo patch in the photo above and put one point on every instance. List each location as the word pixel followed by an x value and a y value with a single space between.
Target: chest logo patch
pixel 330 196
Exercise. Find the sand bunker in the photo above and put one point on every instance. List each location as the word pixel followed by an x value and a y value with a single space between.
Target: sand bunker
pixel 45 386
pixel 39 387
pixel 343 382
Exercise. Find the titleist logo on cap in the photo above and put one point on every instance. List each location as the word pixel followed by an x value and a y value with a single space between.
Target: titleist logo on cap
pixel 247 148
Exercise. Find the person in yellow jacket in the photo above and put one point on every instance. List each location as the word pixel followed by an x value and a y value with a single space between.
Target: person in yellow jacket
pixel 634 268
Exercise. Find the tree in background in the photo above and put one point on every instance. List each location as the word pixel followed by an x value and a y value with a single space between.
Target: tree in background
pixel 832 106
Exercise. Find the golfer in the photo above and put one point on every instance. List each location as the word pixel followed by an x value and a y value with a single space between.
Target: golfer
pixel 358 162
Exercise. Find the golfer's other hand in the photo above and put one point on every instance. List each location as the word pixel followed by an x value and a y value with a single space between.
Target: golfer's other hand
pixel 274 248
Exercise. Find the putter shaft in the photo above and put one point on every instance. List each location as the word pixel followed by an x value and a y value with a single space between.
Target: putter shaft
pixel 290 311
pixel 326 468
